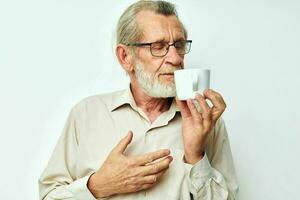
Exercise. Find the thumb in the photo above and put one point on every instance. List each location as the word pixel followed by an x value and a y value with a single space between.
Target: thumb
pixel 123 143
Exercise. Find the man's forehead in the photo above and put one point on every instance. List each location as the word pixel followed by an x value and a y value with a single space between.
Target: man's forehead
pixel 157 26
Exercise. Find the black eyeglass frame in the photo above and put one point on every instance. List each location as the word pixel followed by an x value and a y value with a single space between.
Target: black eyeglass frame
pixel 137 44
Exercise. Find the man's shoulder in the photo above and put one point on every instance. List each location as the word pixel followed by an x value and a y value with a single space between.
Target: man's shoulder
pixel 101 100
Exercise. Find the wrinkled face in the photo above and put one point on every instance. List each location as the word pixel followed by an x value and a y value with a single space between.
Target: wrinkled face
pixel 156 74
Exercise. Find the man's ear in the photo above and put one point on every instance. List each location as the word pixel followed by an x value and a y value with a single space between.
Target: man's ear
pixel 125 57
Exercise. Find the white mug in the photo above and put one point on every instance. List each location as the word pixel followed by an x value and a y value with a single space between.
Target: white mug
pixel 190 81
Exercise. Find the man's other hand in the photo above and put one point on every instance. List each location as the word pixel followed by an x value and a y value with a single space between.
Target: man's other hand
pixel 121 174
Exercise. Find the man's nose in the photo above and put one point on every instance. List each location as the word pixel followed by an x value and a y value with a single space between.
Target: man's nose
pixel 173 57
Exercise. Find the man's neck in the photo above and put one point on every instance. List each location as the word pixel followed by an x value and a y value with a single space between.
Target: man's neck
pixel 151 106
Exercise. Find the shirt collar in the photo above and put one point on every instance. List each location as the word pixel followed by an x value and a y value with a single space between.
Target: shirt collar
pixel 121 98
pixel 125 97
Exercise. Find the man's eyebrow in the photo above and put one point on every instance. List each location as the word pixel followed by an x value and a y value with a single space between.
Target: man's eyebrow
pixel 160 40
pixel 180 39
pixel 164 39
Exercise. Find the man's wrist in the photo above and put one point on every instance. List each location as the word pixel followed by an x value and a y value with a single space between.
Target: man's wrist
pixel 192 159
pixel 94 189
pixel 91 185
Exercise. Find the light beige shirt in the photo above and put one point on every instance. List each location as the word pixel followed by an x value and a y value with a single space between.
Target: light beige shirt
pixel 96 124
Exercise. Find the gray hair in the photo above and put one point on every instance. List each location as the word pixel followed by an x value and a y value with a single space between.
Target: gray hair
pixel 127 28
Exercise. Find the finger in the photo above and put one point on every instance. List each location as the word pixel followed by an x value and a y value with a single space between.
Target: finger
pixel 196 115
pixel 183 107
pixel 150 157
pixel 204 105
pixel 216 99
pixel 157 167
pixel 206 114
pixel 154 178
pixel 122 145
pixel 218 102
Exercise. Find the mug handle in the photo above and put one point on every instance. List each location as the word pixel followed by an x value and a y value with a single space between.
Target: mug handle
pixel 195 80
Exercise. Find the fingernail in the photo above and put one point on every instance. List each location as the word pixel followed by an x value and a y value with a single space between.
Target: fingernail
pixel 128 133
pixel 199 95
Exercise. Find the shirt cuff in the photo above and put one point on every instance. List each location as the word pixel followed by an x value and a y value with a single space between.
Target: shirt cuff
pixel 198 174
pixel 80 190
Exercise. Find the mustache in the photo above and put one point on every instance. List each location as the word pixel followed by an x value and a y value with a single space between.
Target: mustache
pixel 169 70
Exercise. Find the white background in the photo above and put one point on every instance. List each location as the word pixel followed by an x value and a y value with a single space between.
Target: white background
pixel 54 53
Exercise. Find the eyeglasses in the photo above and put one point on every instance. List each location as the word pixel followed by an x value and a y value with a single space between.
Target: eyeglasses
pixel 160 49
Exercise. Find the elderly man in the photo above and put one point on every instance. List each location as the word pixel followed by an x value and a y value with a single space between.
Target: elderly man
pixel 171 151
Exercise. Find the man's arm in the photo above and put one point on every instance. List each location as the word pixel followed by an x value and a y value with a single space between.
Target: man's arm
pixel 215 178
pixel 197 124
pixel 58 179
pixel 134 173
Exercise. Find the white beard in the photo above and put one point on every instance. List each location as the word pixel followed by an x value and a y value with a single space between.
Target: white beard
pixel 151 84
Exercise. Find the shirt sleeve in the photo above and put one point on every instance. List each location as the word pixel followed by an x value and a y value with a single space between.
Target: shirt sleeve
pixel 214 179
pixel 58 180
